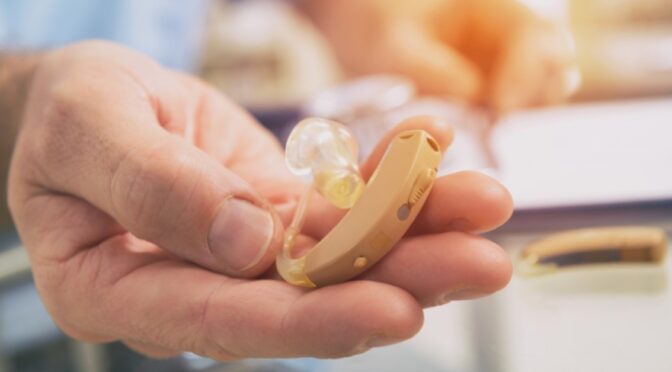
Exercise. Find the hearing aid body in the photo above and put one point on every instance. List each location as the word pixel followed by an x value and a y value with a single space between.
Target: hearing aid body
pixel 378 219
pixel 604 245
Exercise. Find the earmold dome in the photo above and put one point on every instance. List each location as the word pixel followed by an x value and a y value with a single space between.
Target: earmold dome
pixel 326 151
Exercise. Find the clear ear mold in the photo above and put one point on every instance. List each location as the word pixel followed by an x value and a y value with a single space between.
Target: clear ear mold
pixel 326 152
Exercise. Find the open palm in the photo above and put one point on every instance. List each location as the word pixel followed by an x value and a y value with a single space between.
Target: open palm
pixel 122 172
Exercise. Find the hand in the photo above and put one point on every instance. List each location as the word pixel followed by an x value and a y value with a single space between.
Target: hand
pixel 494 52
pixel 152 209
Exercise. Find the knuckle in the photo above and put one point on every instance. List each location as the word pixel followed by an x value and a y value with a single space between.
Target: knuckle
pixel 55 134
pixel 61 107
pixel 154 185
pixel 63 104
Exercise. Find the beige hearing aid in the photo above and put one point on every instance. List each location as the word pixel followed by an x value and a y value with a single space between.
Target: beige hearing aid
pixel 381 212
pixel 594 246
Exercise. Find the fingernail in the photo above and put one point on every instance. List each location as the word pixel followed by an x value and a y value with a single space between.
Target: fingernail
pixel 460 294
pixel 240 234
pixel 460 224
pixel 450 296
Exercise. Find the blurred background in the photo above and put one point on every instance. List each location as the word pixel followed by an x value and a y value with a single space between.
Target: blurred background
pixel 602 159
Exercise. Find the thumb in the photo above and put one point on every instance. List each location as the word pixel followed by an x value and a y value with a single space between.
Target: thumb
pixel 435 67
pixel 162 189
pixel 179 198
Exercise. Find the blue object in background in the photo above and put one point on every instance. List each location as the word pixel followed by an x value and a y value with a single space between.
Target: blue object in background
pixel 170 31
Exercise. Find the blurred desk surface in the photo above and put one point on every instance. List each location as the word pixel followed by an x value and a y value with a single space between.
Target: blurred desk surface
pixel 609 318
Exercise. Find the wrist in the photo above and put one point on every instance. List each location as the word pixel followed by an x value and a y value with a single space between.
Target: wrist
pixel 16 72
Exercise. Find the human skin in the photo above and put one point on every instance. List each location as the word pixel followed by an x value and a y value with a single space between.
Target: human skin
pixel 496 53
pixel 152 209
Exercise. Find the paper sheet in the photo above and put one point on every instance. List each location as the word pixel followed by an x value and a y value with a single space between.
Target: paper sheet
pixel 588 154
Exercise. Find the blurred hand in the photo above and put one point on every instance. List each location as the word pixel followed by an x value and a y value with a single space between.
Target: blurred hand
pixel 493 52
pixel 152 209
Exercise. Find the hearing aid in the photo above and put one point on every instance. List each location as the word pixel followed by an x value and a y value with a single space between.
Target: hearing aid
pixel 590 246
pixel 380 211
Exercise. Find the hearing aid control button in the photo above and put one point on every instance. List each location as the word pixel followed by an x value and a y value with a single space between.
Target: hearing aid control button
pixel 422 183
pixel 360 262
